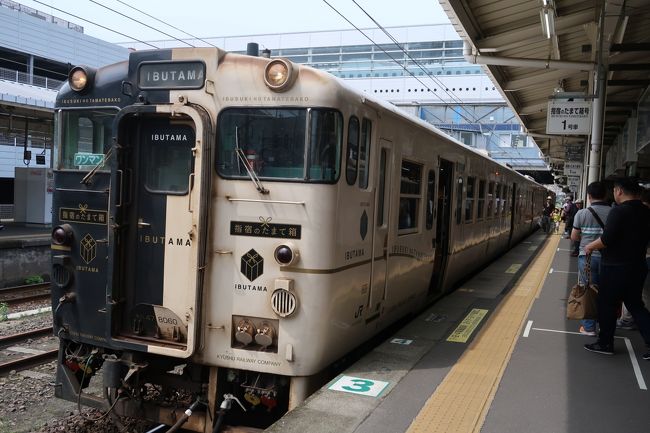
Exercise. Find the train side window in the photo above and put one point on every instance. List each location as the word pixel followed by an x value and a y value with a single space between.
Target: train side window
pixel 506 201
pixel 409 199
pixel 469 199
pixel 382 188
pixel 481 199
pixel 431 191
pixel 353 151
pixel 490 198
pixel 326 131
pixel 459 200
pixel 364 153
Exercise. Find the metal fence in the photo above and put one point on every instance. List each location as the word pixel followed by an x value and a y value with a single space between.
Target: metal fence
pixel 24 78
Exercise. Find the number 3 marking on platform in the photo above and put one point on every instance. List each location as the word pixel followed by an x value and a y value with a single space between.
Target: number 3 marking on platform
pixel 360 386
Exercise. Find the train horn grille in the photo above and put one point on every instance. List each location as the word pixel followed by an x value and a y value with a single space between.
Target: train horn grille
pixel 283 302
pixel 60 275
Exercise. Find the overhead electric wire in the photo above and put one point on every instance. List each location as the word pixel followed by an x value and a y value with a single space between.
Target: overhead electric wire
pixel 141 23
pixel 453 97
pixel 395 60
pixel 95 24
pixel 385 52
pixel 165 23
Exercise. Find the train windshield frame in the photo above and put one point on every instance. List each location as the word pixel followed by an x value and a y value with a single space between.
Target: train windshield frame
pixel 287 143
pixel 85 138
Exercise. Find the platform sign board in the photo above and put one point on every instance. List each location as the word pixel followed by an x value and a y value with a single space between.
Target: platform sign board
pixel 573 182
pixel 572 168
pixel 358 385
pixel 571 116
pixel 574 152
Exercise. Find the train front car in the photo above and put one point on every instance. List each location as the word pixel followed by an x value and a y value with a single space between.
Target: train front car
pixel 197 249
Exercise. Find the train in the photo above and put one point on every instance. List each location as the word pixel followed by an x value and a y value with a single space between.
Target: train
pixel 227 226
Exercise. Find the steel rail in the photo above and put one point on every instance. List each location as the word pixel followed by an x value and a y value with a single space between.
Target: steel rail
pixel 18 364
pixel 11 339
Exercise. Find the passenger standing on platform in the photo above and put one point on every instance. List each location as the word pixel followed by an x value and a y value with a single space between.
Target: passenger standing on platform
pixel 623 265
pixel 557 217
pixel 626 321
pixel 569 212
pixel 588 225
pixel 549 207
pixel 575 244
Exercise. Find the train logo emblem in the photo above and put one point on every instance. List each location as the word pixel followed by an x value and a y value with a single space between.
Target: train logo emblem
pixel 363 225
pixel 88 248
pixel 252 265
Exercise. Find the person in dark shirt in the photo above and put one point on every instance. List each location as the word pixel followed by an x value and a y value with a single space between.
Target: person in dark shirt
pixel 569 211
pixel 549 207
pixel 623 266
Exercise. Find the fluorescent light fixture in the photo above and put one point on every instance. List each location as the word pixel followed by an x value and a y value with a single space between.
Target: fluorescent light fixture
pixel 547 17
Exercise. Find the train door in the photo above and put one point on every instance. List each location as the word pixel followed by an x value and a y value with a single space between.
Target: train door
pixel 443 222
pixel 380 234
pixel 164 219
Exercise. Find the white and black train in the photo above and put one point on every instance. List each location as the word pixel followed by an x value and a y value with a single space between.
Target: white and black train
pixel 232 225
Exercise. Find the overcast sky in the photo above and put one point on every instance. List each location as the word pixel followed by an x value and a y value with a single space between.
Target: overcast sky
pixel 206 18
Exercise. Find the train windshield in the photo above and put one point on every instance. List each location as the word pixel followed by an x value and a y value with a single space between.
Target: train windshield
pixel 85 139
pixel 281 143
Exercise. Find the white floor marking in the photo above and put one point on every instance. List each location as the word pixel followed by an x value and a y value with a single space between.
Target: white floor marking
pixel 564 249
pixel 551 271
pixel 528 326
pixel 564 272
pixel 635 363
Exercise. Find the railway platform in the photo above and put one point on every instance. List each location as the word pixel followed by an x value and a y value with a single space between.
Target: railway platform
pixel 495 356
pixel 19 234
pixel 24 252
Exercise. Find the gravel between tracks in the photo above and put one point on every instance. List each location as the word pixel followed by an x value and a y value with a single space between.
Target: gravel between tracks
pixel 27 402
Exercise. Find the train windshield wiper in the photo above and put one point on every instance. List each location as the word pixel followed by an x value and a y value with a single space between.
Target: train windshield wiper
pixel 89 176
pixel 249 168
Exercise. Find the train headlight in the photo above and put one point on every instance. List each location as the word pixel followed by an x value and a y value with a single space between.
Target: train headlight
pixel 286 255
pixel 279 75
pixel 62 235
pixel 80 77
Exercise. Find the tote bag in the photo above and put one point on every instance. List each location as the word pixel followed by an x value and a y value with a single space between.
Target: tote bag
pixel 582 301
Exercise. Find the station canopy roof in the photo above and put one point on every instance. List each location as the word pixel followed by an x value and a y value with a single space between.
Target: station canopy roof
pixel 534 49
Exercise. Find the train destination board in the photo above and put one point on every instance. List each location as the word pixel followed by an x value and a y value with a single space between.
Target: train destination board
pixel 171 75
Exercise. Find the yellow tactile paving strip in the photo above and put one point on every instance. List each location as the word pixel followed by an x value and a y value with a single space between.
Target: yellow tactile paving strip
pixel 461 401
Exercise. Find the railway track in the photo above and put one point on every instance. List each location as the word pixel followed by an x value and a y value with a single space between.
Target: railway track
pixel 29 292
pixel 27 356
